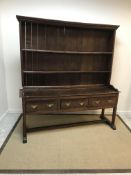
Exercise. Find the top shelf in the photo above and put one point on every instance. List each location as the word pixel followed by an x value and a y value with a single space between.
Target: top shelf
pixel 65 52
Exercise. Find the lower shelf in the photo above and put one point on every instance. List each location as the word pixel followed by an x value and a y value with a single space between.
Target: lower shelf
pixel 99 121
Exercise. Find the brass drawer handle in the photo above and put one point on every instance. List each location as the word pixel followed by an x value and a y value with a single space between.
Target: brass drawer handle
pixel 81 103
pixel 50 105
pixel 67 104
pixel 109 101
pixel 97 101
pixel 34 106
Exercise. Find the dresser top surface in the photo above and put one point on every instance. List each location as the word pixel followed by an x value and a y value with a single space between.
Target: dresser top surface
pixel 69 91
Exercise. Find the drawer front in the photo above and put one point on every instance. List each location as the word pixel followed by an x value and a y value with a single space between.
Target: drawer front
pixel 74 104
pixel 103 101
pixel 41 106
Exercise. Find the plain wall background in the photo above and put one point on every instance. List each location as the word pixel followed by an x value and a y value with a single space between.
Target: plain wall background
pixel 3 96
pixel 93 11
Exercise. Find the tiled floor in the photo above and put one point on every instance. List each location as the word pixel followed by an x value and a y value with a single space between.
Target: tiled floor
pixel 6 125
pixel 8 122
pixel 126 117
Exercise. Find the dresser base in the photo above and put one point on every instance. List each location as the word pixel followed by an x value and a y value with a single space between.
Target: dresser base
pixel 58 101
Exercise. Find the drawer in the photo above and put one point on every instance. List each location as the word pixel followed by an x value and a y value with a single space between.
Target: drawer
pixel 41 106
pixel 103 101
pixel 74 104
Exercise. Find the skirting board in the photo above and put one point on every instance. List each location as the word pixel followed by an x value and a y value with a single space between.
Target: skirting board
pixel 124 112
pixel 7 125
pixel 125 116
pixel 3 115
pixel 12 110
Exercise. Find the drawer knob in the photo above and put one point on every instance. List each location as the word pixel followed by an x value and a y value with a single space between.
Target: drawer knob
pixel 34 106
pixel 97 102
pixel 81 103
pixel 50 105
pixel 68 104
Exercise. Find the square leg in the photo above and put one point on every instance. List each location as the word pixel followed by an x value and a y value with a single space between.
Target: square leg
pixel 106 120
pixel 24 129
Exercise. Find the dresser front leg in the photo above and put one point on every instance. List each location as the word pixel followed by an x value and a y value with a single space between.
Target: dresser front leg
pixel 24 129
pixel 113 118
pixel 24 122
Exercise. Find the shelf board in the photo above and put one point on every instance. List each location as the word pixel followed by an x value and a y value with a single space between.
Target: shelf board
pixel 69 86
pixel 63 72
pixel 65 52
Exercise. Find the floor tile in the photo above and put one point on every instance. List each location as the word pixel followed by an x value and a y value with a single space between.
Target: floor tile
pixel 6 125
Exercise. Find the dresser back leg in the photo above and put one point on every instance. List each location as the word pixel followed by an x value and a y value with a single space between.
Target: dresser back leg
pixel 102 113
pixel 113 118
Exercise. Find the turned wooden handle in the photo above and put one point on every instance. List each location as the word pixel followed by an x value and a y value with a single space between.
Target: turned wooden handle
pixel 68 104
pixel 50 105
pixel 81 103
pixel 34 106
pixel 97 101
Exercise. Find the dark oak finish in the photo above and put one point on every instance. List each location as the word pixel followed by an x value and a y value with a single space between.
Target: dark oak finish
pixel 66 67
